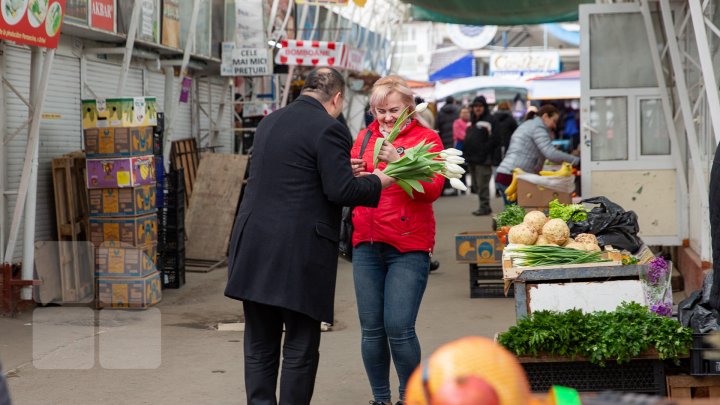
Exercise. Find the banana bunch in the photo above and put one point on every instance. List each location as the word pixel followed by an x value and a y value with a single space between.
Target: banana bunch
pixel 511 192
pixel 565 171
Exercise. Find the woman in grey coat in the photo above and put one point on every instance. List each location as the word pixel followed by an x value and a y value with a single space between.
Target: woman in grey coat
pixel 529 146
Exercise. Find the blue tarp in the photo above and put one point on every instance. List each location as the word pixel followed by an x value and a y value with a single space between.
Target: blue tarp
pixel 463 67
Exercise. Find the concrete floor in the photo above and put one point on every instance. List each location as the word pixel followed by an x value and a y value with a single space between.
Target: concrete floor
pixel 188 361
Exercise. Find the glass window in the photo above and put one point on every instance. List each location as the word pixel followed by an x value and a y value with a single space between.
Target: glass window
pixel 619 55
pixel 608 119
pixel 654 139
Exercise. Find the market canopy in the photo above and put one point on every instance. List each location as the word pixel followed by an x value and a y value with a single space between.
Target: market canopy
pixel 508 12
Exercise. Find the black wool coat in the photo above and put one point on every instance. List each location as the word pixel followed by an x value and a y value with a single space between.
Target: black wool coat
pixel 284 244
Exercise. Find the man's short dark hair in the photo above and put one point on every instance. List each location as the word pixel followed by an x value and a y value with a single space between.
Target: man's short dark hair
pixel 450 100
pixel 324 82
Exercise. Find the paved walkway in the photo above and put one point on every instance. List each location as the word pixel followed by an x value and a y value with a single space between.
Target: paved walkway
pixel 201 365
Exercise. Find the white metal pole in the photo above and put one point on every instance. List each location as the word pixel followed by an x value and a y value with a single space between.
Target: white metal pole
pixel 3 159
pixel 711 88
pixel 291 69
pixel 25 179
pixel 273 14
pixel 129 44
pixel 175 96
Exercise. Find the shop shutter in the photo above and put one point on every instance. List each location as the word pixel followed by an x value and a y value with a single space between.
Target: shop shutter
pixel 102 78
pixel 224 139
pixel 59 135
pixel 156 86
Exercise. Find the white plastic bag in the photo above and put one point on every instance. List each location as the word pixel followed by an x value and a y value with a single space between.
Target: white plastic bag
pixel 565 184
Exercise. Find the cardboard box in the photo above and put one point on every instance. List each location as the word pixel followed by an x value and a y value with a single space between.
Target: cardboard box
pixel 481 248
pixel 136 231
pixel 532 195
pixel 120 172
pixel 134 292
pixel 119 112
pixel 117 259
pixel 116 142
pixel 112 202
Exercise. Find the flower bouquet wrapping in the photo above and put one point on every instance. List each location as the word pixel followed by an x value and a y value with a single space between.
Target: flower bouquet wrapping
pixel 657 286
pixel 418 164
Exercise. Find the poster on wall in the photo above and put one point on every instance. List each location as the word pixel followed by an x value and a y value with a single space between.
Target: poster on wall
pixel 76 11
pixel 148 23
pixel 32 23
pixel 102 15
pixel 171 23
pixel 249 27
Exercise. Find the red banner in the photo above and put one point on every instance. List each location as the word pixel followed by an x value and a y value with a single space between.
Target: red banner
pixel 102 14
pixel 32 22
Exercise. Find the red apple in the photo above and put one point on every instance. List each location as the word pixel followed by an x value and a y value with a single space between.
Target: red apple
pixel 466 390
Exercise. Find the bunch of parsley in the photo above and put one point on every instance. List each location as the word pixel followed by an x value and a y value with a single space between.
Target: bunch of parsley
pixel 574 212
pixel 511 216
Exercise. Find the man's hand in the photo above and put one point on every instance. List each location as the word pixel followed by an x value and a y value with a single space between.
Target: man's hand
pixel 388 153
pixel 359 167
pixel 386 180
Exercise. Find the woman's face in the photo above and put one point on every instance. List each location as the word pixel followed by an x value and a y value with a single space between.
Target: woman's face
pixel 551 122
pixel 465 114
pixel 388 111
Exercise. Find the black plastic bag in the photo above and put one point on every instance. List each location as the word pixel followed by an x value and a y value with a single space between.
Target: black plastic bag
pixel 611 224
pixel 695 312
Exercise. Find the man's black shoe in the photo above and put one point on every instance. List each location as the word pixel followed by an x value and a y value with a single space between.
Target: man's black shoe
pixel 434 265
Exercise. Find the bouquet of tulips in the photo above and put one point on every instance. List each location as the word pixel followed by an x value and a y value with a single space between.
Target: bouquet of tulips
pixel 418 164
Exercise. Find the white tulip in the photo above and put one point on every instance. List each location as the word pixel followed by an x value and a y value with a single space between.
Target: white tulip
pixel 453 168
pixel 453 152
pixel 421 107
pixel 457 184
pixel 443 155
pixel 453 175
pixel 458 160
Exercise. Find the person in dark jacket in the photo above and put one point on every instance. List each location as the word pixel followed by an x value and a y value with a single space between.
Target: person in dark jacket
pixel 714 192
pixel 283 252
pixel 4 394
pixel 504 126
pixel 479 149
pixel 444 121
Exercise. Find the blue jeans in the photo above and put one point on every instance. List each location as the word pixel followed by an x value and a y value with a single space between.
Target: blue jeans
pixel 389 286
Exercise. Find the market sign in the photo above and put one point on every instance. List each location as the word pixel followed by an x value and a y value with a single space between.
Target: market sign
pixel 33 22
pixel 354 59
pixel 245 61
pixel 102 14
pixel 524 64
pixel 249 27
pixel 310 53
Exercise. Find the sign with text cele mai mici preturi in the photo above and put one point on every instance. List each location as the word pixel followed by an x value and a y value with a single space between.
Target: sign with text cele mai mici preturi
pixel 245 61
pixel 32 22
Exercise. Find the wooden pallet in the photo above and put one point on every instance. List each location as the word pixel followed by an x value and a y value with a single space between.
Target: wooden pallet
pixel 685 386
pixel 71 209
pixel 184 155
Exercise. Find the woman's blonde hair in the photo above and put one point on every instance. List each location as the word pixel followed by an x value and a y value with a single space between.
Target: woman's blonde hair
pixel 391 84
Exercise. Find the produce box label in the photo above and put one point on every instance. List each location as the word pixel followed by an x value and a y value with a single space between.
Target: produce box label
pixel 119 112
pixel 129 292
pixel 117 259
pixel 481 248
pixel 118 142
pixel 123 201
pixel 120 172
pixel 135 231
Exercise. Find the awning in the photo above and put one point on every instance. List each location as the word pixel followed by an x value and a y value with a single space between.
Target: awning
pixel 562 86
pixel 508 12
pixel 463 67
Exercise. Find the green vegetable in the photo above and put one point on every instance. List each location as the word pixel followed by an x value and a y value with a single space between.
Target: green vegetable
pixel 574 212
pixel 627 332
pixel 533 256
pixel 511 216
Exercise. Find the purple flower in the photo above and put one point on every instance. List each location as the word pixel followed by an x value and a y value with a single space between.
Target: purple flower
pixel 658 270
pixel 661 309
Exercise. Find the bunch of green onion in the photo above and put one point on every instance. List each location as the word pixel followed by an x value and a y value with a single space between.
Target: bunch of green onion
pixel 418 164
pixel 533 256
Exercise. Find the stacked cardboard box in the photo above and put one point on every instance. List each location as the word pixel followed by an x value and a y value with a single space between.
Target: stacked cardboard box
pixel 122 199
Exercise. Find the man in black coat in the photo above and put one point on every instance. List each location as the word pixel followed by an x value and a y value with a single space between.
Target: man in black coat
pixel 445 119
pixel 283 250
pixel 480 150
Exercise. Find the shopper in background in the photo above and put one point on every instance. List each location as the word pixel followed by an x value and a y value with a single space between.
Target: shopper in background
pixel 284 245
pixel 714 197
pixel 504 126
pixel 460 127
pixel 445 119
pixel 4 393
pixel 530 145
pixel 480 150
pixel 392 248
pixel 426 117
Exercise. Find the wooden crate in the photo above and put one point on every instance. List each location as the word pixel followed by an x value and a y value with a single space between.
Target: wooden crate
pixel 135 292
pixel 512 271
pixel 685 386
pixel 71 214
pixel 184 156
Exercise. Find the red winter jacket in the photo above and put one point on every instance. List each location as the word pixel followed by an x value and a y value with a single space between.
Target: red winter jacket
pixel 407 224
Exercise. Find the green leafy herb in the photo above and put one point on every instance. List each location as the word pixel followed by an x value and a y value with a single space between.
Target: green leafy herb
pixel 511 216
pixel 601 336
pixel 574 212
pixel 533 256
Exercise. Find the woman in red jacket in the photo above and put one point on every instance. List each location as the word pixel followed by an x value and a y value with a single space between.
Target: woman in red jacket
pixel 392 246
